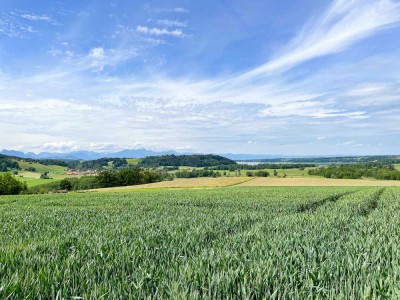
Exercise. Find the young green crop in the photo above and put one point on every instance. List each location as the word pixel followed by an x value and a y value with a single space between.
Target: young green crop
pixel 227 243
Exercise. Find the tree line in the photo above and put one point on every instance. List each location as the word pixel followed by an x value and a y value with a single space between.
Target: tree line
pixel 98 164
pixel 356 171
pixel 212 173
pixel 257 174
pixel 236 167
pixel 107 178
pixel 196 173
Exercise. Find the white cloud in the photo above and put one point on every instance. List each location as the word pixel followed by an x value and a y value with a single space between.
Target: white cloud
pixel 15 25
pixel 33 17
pixel 350 144
pixel 367 90
pixel 61 52
pixel 97 53
pixel 61 146
pixel 100 146
pixel 314 109
pixel 96 59
pixel 171 23
pixel 155 41
pixel 12 27
pixel 178 10
pixel 159 31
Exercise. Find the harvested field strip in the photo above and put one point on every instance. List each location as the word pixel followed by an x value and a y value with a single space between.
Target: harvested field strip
pixel 203 182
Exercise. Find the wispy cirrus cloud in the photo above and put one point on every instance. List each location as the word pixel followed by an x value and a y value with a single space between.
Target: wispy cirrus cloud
pixel 13 27
pixel 19 24
pixel 313 109
pixel 33 17
pixel 342 25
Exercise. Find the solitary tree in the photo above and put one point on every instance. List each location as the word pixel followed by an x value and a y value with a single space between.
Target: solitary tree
pixel 45 175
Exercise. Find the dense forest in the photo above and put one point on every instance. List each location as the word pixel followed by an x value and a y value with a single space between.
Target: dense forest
pixel 98 164
pixel 196 160
pixel 357 171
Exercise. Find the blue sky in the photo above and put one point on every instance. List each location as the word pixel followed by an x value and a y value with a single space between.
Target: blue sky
pixel 273 77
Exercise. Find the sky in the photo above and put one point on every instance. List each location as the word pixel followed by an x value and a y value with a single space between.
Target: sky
pixel 296 77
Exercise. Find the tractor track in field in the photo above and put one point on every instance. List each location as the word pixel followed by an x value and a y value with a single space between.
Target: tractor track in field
pixel 372 203
pixel 312 206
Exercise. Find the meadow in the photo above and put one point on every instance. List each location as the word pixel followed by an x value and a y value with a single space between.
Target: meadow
pixel 41 168
pixel 217 243
pixel 56 173
pixel 33 178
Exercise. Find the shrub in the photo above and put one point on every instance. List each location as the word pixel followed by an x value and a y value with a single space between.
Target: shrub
pixel 65 184
pixel 9 185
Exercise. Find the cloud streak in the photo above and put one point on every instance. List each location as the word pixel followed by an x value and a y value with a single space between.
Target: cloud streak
pixel 342 25
pixel 159 31
pixel 171 23
pixel 33 17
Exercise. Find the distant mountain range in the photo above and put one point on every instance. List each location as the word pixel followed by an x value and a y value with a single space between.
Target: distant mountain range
pixel 127 153
pixel 87 155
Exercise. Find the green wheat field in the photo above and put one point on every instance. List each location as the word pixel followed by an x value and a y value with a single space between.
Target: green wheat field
pixel 218 243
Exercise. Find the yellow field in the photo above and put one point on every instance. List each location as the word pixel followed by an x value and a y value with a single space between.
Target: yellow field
pixel 186 183
pixel 317 182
